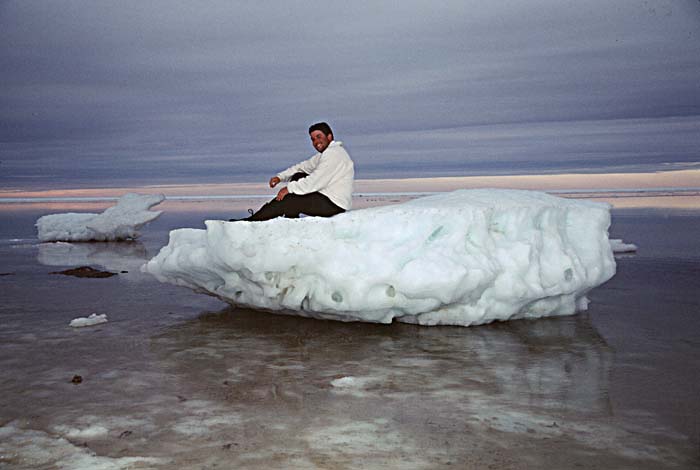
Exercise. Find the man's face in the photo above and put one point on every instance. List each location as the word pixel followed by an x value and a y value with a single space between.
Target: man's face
pixel 320 140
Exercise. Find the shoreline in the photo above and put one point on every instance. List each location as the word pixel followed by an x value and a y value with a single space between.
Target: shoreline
pixel 684 200
pixel 675 180
pixel 678 190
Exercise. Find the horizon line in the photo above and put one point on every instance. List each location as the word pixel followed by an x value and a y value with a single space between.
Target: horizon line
pixel 608 192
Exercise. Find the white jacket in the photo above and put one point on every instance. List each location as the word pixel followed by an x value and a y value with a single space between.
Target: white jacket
pixel 330 173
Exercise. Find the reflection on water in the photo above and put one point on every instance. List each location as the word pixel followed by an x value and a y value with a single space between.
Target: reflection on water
pixel 254 390
pixel 120 257
pixel 523 383
pixel 561 364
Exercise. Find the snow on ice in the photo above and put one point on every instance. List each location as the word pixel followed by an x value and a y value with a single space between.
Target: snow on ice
pixel 119 222
pixel 463 258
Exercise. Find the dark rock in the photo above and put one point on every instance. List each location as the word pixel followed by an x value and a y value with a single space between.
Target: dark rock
pixel 85 271
pixel 77 379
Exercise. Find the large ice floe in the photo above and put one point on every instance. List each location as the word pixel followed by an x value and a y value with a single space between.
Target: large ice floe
pixel 120 222
pixel 463 258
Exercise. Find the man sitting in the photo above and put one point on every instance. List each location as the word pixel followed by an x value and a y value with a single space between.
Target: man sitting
pixel 320 186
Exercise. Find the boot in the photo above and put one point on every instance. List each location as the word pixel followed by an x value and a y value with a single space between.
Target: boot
pixel 247 219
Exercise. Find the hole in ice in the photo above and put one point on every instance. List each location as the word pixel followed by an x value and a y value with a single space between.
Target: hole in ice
pixel 390 291
pixel 568 274
pixel 435 234
pixel 337 297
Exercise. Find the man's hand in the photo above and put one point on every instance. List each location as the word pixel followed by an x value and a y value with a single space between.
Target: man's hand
pixel 274 181
pixel 283 192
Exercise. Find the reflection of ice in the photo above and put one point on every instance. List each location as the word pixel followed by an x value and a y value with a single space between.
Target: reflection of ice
pixel 375 388
pixel 239 389
pixel 564 364
pixel 16 241
pixel 111 256
pixel 531 380
pixel 560 362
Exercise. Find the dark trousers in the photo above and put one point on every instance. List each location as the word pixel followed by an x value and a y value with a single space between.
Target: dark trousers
pixel 314 204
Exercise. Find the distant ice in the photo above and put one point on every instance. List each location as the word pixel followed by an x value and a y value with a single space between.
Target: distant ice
pixel 119 222
pixel 463 258
pixel 93 319
pixel 618 246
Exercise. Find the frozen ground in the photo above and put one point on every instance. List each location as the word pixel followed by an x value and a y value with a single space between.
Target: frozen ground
pixel 181 380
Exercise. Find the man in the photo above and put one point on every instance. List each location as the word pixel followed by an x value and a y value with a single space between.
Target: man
pixel 320 186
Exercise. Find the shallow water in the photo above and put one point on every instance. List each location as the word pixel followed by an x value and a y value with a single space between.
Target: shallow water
pixel 180 379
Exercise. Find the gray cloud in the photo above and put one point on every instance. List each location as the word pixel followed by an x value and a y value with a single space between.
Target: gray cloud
pixel 115 92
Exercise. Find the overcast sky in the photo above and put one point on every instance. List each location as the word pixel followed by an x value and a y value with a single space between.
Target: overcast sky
pixel 104 93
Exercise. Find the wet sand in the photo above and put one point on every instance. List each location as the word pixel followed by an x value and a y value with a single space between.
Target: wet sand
pixel 177 379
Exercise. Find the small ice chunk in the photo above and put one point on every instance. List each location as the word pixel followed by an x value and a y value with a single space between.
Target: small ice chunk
pixel 618 246
pixel 93 319
pixel 348 381
pixel 119 222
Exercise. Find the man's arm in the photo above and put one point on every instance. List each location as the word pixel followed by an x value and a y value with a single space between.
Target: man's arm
pixel 319 179
pixel 307 166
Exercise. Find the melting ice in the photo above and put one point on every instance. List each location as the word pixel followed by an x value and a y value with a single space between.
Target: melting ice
pixel 120 222
pixel 463 258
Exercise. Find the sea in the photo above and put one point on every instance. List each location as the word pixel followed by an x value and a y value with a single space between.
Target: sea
pixel 179 379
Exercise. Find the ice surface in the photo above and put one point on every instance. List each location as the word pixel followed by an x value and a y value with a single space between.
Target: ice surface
pixel 93 319
pixel 28 448
pixel 462 258
pixel 119 222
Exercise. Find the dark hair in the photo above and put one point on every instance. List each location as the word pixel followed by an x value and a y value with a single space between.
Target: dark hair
pixel 321 126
